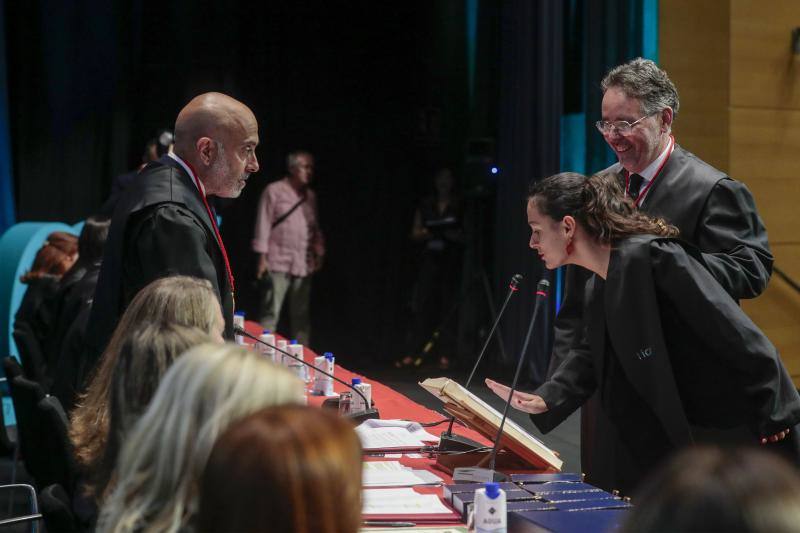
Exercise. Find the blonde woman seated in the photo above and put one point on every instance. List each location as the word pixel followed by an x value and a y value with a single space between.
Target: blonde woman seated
pixel 144 358
pixel 205 391
pixel 178 300
pixel 286 469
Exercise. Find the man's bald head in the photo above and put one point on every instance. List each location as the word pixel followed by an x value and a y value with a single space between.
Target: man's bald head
pixel 217 136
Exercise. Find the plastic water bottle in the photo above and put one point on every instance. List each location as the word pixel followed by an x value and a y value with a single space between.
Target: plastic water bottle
pixel 490 509
pixel 299 368
pixel 283 346
pixel 238 320
pixel 267 351
pixel 357 405
pixel 323 385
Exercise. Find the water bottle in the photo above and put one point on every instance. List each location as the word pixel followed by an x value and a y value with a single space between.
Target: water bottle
pixel 283 346
pixel 299 368
pixel 358 405
pixel 238 320
pixel 490 509
pixel 323 385
pixel 267 351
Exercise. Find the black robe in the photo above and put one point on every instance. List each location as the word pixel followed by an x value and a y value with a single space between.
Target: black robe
pixel 714 213
pixel 672 356
pixel 160 228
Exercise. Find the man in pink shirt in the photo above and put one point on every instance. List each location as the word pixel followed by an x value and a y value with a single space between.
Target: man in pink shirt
pixel 290 245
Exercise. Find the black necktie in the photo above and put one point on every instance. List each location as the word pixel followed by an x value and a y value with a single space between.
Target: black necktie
pixel 634 184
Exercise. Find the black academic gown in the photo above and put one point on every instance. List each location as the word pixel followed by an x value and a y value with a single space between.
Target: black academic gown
pixel 671 356
pixel 160 228
pixel 714 213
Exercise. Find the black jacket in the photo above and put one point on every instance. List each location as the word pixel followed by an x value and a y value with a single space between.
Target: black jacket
pixel 683 346
pixel 160 228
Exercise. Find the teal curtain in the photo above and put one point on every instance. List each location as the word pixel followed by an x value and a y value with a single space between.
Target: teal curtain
pixel 7 212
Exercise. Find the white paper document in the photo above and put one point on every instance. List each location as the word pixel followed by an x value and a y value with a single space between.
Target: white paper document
pixel 400 502
pixel 393 434
pixel 394 474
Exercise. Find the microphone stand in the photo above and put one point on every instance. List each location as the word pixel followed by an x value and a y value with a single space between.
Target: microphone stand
pixel 359 417
pixel 482 475
pixel 456 443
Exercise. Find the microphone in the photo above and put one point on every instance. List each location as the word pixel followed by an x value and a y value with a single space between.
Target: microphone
pixel 369 413
pixel 447 441
pixel 481 475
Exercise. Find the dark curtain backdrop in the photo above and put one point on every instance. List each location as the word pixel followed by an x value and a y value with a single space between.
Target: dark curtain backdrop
pixel 528 149
pixel 377 91
pixel 612 34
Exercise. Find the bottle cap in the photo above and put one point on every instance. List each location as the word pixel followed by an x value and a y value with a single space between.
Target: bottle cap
pixel 238 313
pixel 294 341
pixel 356 381
pixel 492 490
pixel 328 356
pixel 266 332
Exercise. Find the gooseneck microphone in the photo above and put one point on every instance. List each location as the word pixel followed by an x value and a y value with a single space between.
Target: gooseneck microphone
pixel 490 474
pixel 448 441
pixel 370 412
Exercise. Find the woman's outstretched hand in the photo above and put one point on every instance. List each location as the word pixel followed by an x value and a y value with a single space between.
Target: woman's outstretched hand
pixel 530 403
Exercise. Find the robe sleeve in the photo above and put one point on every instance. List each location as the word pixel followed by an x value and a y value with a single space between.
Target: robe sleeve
pixel 569 387
pixel 734 242
pixel 569 322
pixel 705 307
pixel 167 240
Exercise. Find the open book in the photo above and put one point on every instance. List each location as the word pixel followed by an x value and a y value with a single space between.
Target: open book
pixel 482 417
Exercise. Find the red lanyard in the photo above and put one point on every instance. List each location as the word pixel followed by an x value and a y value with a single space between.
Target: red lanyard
pixel 650 183
pixel 214 225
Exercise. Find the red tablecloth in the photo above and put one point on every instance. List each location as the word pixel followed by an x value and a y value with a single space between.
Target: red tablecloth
pixel 391 405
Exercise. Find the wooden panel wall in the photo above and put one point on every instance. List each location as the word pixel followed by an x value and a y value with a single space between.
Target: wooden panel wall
pixel 687 27
pixel 732 63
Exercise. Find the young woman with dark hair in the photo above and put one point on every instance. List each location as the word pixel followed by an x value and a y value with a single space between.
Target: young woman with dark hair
pixel 672 357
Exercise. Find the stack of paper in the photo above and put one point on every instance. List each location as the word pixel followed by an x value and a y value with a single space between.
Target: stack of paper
pixel 379 435
pixel 405 504
pixel 394 474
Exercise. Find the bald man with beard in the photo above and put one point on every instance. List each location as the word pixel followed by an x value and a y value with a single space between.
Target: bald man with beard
pixel 163 225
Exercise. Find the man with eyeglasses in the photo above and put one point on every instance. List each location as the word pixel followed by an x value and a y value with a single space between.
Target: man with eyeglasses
pixel 712 211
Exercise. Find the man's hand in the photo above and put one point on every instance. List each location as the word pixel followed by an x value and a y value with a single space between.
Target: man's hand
pixel 530 403
pixel 776 437
pixel 261 268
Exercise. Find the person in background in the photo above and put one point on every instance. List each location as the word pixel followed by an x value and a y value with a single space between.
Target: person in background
pixel 205 391
pixel 65 344
pixel 56 256
pixel 672 357
pixel 708 489
pixel 155 148
pixel 285 469
pixel 438 227
pixel 177 300
pixel 290 245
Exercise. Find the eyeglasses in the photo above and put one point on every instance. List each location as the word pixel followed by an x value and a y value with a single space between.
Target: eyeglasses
pixel 622 127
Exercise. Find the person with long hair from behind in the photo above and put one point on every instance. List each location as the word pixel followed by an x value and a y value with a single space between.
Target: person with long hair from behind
pixel 710 489
pixel 177 300
pixel 673 358
pixel 202 394
pixel 144 358
pixel 285 469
